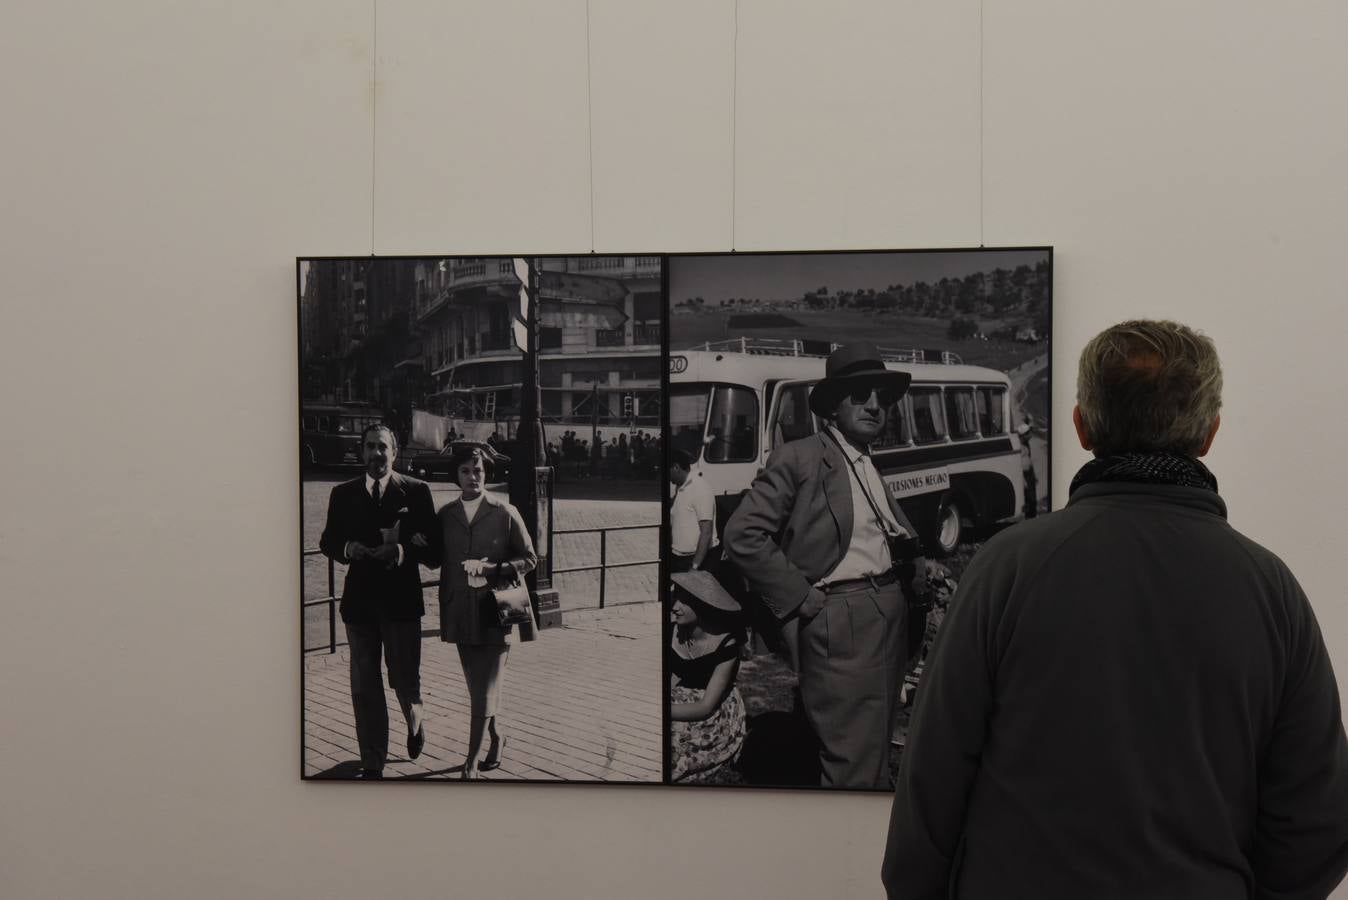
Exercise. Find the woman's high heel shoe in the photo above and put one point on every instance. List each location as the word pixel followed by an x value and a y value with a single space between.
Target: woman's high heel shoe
pixel 493 760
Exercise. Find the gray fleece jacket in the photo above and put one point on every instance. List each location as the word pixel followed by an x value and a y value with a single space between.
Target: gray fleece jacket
pixel 1128 699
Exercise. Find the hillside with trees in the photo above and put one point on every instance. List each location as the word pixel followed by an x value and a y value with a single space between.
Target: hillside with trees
pixel 1010 304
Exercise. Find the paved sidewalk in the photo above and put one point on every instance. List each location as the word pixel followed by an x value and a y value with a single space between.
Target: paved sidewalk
pixel 581 703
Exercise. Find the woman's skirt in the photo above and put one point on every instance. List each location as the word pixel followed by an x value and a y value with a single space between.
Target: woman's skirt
pixel 701 749
pixel 468 616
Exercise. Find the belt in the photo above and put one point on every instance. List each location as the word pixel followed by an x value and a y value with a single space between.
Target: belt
pixel 860 584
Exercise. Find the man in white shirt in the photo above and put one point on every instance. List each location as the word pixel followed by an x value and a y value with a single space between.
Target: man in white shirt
pixel 692 517
pixel 833 557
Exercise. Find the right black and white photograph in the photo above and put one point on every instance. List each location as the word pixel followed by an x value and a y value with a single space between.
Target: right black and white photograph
pixel 844 431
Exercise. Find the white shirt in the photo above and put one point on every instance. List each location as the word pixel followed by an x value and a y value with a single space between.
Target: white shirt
pixel 383 485
pixel 470 508
pixel 868 554
pixel 692 504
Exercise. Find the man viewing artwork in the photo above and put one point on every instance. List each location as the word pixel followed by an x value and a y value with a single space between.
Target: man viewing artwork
pixel 1128 698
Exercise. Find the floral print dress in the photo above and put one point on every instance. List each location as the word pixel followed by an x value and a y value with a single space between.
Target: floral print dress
pixel 701 749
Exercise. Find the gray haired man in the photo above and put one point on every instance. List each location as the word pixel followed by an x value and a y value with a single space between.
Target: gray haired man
pixel 1129 698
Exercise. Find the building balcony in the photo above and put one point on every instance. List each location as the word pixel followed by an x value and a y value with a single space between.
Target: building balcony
pixel 643 336
pixel 614 266
pixel 431 303
pixel 476 348
pixel 482 271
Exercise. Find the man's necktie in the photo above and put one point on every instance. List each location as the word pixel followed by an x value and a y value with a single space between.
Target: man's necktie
pixel 375 493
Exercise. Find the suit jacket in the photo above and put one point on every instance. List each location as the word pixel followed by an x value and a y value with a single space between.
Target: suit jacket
pixel 795 523
pixel 371 588
pixel 497 534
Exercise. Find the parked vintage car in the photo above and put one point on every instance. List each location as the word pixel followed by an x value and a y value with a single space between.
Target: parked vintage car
pixel 433 465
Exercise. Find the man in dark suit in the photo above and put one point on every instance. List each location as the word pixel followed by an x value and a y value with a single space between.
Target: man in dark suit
pixel 835 560
pixel 378 525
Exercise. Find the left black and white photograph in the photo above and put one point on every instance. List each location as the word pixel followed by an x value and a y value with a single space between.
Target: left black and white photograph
pixel 480 470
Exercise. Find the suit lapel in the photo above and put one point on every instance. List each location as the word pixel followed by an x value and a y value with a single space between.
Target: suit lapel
pixel 837 490
pixel 366 501
pixel 457 514
pixel 393 497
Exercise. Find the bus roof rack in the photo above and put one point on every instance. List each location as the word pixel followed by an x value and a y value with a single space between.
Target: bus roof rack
pixel 799 347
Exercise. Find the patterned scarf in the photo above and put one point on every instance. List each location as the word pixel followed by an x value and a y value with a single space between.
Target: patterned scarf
pixel 1154 467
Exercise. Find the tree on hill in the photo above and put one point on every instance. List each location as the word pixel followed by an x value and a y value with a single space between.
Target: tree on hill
pixel 961 329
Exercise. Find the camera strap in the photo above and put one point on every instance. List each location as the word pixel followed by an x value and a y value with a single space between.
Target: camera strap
pixel 880 519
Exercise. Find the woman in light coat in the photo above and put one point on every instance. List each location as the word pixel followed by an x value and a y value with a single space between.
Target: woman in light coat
pixel 483 537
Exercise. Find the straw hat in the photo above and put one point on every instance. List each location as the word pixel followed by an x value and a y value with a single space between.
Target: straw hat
pixel 704 587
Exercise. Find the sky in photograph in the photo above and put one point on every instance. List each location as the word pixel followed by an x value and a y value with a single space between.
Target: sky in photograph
pixel 788 276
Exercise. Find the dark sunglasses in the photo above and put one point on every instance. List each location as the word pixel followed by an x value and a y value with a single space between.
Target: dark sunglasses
pixel 886 396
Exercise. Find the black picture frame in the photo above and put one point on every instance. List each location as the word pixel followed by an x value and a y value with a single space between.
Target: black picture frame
pixel 768 726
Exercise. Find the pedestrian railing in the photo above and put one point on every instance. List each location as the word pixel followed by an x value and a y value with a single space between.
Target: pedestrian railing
pixel 330 600
pixel 604 565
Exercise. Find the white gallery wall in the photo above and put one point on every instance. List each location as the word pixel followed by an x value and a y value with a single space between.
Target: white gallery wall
pixel 163 163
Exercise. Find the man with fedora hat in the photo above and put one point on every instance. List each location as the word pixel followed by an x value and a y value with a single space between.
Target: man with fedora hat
pixel 823 542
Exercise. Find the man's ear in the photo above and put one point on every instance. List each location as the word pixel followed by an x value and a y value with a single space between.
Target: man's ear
pixel 1081 430
pixel 1207 444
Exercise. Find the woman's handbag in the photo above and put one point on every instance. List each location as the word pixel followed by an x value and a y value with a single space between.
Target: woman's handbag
pixel 512 599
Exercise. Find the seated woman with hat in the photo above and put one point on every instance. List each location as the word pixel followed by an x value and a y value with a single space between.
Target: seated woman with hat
pixel 707 720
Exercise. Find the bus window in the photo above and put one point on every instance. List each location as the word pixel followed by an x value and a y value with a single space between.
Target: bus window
pixel 959 413
pixel 794 419
pixel 733 425
pixel 990 418
pixel 687 417
pixel 928 422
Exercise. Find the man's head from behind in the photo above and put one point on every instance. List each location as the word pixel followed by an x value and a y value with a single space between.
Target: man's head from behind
pixel 1148 385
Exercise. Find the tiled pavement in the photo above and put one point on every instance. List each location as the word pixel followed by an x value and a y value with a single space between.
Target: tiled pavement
pixel 580 703
pixel 635 584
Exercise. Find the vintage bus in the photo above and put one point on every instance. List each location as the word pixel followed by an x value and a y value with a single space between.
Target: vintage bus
pixel 947 453
pixel 330 433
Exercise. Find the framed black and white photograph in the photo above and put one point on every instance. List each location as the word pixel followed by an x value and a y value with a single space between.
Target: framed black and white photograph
pixel 480 456
pixel 845 430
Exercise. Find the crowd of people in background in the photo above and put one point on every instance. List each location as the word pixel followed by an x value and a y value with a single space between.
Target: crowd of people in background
pixel 635 456
pixel 575 458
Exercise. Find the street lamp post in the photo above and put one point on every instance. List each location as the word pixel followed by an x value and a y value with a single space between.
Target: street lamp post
pixel 530 476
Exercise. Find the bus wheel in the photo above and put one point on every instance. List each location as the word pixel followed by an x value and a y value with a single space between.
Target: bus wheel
pixel 309 456
pixel 949 526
